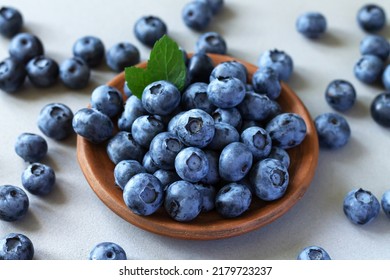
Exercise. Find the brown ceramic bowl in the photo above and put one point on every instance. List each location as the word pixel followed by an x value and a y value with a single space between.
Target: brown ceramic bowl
pixel 98 170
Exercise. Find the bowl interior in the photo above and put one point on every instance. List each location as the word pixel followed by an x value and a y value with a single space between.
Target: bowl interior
pixel 98 170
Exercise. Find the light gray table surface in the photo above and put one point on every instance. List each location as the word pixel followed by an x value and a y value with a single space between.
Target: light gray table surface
pixel 71 220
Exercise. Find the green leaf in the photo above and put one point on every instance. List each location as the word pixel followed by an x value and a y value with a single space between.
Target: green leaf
pixel 137 79
pixel 166 62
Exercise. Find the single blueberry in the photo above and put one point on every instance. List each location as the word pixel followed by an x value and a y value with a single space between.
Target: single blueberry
pixel 311 24
pixel 11 21
pixel 280 154
pixel 38 179
pixel 256 107
pixel 333 130
pixel 191 164
pixel 224 135
pixel 55 121
pixel 361 206
pixel 235 161
pixel 123 146
pixel 149 164
pixel 230 69
pixel 368 68
pixel 163 150
pixel 385 203
pixel 266 81
pixel 195 97
pixel 278 60
pixel 14 204
pixel 125 170
pixel 313 253
pixel 199 68
pixel 108 100
pixel 75 73
pixel 371 17
pixel 380 109
pixel 12 74
pixel 16 246
pixel 375 45
pixel 25 46
pixel 208 193
pixel 133 109
pixel 211 42
pixel 226 92
pixel 31 147
pixel 90 49
pixel 122 55
pixel 340 95
pixel 212 177
pixel 42 71
pixel 230 116
pixel 107 251
pixel 258 141
pixel 232 200
pixel 166 177
pixel 148 29
pixel 145 128
pixel 197 15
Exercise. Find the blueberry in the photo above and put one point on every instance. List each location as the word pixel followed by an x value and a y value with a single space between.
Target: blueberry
pixel 340 95
pixel 90 49
pixel 230 69
pixel 31 147
pixel 122 55
pixel 380 109
pixel 258 141
pixel 311 24
pixel 148 29
pixel 195 128
pixel 16 246
pixel 11 21
pixel 148 163
pixel 55 121
pixel 232 200
pixel 75 73
pixel 333 130
pixel 278 60
pixel 371 17
pixel 256 107
pixel 183 201
pixel 266 81
pixel 195 97
pixel 368 69
pixel 199 68
pixel 143 194
pixel 108 100
pixel 163 150
pixel 226 92
pixel 14 203
pixel 127 90
pixel 385 203
pixel 287 130
pixel 107 251
pixel 215 5
pixel 224 135
pixel 280 154
pixel 38 179
pixel 25 46
pixel 161 98
pixel 235 162
pixel 375 45
pixel 125 170
pixel 386 77
pixel 197 15
pixel 230 116
pixel 42 71
pixel 313 253
pixel 211 42
pixel 361 206
pixel 92 125
pixel 145 128
pixel 12 74
pixel 270 179
pixel 212 177
pixel 191 164
pixel 172 124
pixel 123 146
pixel 133 109
pixel 208 194
pixel 166 177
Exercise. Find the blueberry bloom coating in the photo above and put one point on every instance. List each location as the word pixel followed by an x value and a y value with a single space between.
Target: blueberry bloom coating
pixel 195 128
pixel 25 46
pixel 232 200
pixel 92 125
pixel 160 98
pixel 287 130
pixel 107 251
pixel 333 130
pixel 121 55
pixel 123 146
pixel 266 81
pixel 224 135
pixel 385 203
pixel 164 148
pixel 183 201
pixel 11 21
pixel 280 154
pixel 208 194
pixel 16 246
pixel 235 161
pixel 133 109
pixel 375 45
pixel 90 49
pixel 371 17
pixel 12 74
pixel 148 29
pixel 75 73
pixel 278 60
pixel 199 68
pixel 212 177
pixel 14 203
pixel 340 95
pixel 197 15
pixel 143 194
pixel 230 116
pixel 256 107
pixel 145 128
pixel 108 100
pixel 125 170
pixel 311 24
pixel 166 177
pixel 380 109
pixel 258 141
pixel 211 42
pixel 38 179
pixel 226 92
pixel 31 147
pixel 191 164
pixel 42 71
pixel 361 206
pixel 195 97
pixel 313 253
pixel 270 179
pixel 368 69
pixel 55 121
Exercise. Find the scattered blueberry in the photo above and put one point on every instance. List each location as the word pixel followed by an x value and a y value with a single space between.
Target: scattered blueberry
pixel 197 15
pixel 313 253
pixel 75 73
pixel 278 60
pixel 31 147
pixel 340 95
pixel 368 69
pixel 385 203
pixel 235 162
pixel 258 141
pixel 90 49
pixel 145 128
pixel 14 203
pixel 25 46
pixel 191 164
pixel 16 246
pixel 211 42
pixel 163 150
pixel 311 24
pixel 333 130
pixel 375 45
pixel 38 179
pixel 148 29
pixel 371 17
pixel 266 81
pixel 42 71
pixel 226 92
pixel 12 74
pixel 361 206
pixel 123 146
pixel 122 55
pixel 108 100
pixel 215 5
pixel 55 121
pixel 380 109
pixel 11 21
pixel 233 200
pixel 107 251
